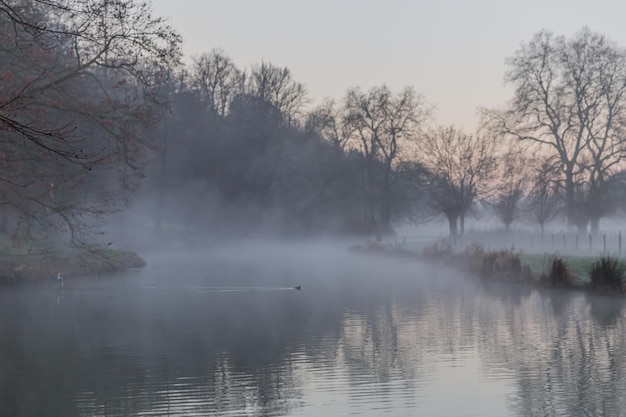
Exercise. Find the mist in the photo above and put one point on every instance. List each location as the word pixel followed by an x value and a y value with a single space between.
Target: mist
pixel 198 236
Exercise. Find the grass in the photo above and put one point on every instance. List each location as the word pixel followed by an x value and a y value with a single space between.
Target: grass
pixel 503 264
pixel 607 274
pixel 33 268
pixel 557 274
pixel 439 249
pixel 577 265
pixel 25 260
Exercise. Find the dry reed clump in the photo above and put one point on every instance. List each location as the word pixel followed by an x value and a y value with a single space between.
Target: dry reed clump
pixel 474 255
pixel 607 274
pixel 558 273
pixel 439 249
pixel 504 264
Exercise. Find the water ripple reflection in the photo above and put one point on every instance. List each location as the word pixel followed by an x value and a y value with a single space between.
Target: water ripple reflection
pixel 356 340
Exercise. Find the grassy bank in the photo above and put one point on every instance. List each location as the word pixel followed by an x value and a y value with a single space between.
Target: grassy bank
pixel 19 267
pixel 578 265
pixel 604 274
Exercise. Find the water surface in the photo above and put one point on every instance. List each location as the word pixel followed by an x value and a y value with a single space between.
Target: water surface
pixel 223 332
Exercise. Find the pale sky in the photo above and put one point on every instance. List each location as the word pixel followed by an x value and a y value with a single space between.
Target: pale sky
pixel 451 51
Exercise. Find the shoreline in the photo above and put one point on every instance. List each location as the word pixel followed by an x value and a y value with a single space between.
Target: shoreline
pixel 39 268
pixel 511 266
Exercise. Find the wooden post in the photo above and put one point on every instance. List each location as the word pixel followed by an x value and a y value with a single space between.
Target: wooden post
pixel 590 243
pixel 619 243
pixel 576 243
pixel 604 241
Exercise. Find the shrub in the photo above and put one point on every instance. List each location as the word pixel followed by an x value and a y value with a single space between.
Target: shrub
pixel 558 273
pixel 439 249
pixel 474 255
pixel 502 264
pixel 607 274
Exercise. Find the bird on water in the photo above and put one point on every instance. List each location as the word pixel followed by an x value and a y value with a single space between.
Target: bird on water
pixel 299 288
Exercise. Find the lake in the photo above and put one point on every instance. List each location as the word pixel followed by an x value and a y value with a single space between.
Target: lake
pixel 223 332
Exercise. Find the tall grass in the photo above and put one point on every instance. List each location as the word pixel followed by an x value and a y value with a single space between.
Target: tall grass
pixel 607 273
pixel 558 273
pixel 505 264
pixel 439 249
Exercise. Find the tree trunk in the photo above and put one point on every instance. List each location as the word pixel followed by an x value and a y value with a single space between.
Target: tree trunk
pixel 462 217
pixel 452 221
pixel 162 179
pixel 581 226
pixel 595 223
pixel 385 206
pixel 572 217
pixel 4 217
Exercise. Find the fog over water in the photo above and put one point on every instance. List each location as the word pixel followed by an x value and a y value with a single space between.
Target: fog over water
pixel 222 331
pixel 282 278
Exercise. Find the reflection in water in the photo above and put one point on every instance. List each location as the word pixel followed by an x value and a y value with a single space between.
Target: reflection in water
pixel 232 337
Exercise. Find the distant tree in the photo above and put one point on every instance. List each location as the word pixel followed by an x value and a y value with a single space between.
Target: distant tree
pixel 218 80
pixel 325 120
pixel 462 169
pixel 252 158
pixel 510 188
pixel 570 100
pixel 276 87
pixel 378 124
pixel 409 186
pixel 544 201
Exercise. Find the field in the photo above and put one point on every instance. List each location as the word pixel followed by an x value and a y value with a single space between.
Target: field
pixel 579 265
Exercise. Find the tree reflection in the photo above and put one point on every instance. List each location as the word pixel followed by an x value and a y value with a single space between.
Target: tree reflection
pixel 607 311
pixel 116 355
pixel 566 364
pixel 354 340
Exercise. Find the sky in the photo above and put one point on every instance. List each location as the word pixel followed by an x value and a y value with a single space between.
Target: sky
pixel 451 51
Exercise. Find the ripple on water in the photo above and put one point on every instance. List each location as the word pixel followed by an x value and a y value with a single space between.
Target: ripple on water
pixel 407 345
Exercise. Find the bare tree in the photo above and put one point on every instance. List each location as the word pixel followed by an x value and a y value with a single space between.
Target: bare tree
pixel 77 107
pixel 462 169
pixel 325 121
pixel 218 79
pixel 275 86
pixel 511 188
pixel 378 124
pixel 569 100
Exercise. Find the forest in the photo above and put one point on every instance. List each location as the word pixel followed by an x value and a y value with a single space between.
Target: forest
pixel 101 112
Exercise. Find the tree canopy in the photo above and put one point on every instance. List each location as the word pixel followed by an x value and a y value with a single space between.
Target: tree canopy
pixel 570 102
pixel 80 93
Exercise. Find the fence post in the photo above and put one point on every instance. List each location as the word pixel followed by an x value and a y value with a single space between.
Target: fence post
pixel 589 242
pixel 619 243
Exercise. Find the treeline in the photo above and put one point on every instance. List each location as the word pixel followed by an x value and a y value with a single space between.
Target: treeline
pixel 243 144
pixel 241 153
pixel 94 98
